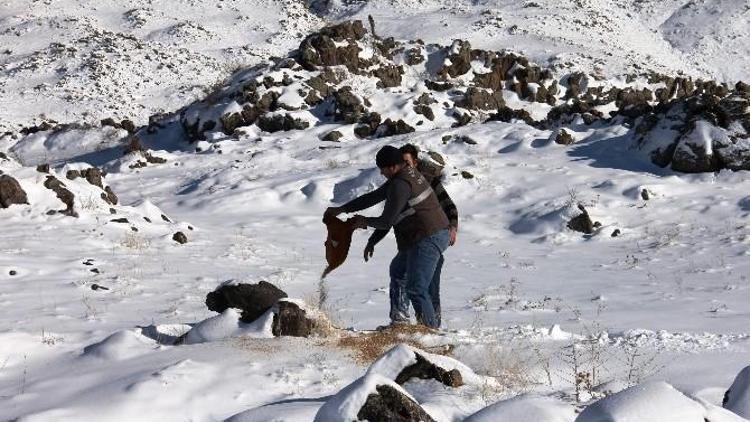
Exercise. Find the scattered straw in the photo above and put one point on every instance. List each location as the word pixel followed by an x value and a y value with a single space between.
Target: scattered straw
pixel 369 345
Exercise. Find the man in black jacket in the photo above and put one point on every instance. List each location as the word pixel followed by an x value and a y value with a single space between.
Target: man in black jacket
pixel 418 221
pixel 399 312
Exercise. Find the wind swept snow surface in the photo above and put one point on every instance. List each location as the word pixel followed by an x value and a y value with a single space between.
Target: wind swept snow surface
pixel 102 309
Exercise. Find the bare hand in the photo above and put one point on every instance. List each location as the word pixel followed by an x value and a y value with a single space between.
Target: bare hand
pixel 359 222
pixel 369 250
pixel 453 235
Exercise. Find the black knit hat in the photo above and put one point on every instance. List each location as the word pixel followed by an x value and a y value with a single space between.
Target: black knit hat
pixel 388 156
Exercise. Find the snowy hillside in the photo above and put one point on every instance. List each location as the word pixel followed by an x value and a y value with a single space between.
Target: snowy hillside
pixel 598 153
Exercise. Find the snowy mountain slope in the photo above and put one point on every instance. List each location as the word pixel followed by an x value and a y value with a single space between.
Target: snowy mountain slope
pixel 92 306
pixel 76 61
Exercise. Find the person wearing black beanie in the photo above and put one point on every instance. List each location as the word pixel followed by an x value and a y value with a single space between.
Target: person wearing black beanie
pixel 418 221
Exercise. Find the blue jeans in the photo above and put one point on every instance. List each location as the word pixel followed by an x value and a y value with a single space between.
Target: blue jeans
pixel 415 276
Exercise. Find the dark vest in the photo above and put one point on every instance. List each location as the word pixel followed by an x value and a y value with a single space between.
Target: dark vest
pixel 422 215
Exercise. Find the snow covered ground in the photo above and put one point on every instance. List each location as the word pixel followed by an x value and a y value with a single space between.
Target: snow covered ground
pixel 522 295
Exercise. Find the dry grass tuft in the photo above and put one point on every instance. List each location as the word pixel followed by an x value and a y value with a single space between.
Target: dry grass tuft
pixel 370 345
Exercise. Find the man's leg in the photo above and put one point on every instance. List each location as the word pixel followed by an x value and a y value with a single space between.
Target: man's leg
pixel 435 290
pixel 422 260
pixel 399 300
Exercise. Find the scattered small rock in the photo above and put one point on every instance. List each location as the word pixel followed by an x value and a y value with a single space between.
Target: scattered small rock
pixel 333 136
pixel 616 233
pixel 180 238
pixel 466 175
pixel 98 287
pixel 12 272
pixel 562 137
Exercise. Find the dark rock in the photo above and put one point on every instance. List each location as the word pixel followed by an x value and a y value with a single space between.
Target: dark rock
pixel 128 125
pixel 576 83
pixel 42 168
pixel 462 119
pixel 110 122
pixel 582 222
pixel 363 131
pixel 12 272
pixel 278 122
pixel 232 121
pixel 424 369
pixel 333 136
pixel 291 320
pixel 93 175
pixel 390 76
pixel 460 63
pixel 465 139
pixel 268 102
pixel 72 174
pixel 388 404
pixel 438 86
pixel 253 299
pixel 562 137
pixel 111 197
pixel 425 110
pixel 413 56
pixel 480 99
pixel 98 287
pixel 507 114
pixel 616 233
pixel 11 192
pixel 349 107
pixel 645 194
pixel 180 238
pixel 466 175
pixel 62 193
pixel 320 49
pixel 165 218
pixel 391 128
pixel 122 220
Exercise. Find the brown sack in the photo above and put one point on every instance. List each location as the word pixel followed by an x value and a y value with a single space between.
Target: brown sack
pixel 338 241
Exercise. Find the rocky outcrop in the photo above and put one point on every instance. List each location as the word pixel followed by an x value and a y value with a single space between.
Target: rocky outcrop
pixel 480 99
pixel 391 128
pixel 280 122
pixel 253 299
pixel 325 47
pixel 458 61
pixel 11 192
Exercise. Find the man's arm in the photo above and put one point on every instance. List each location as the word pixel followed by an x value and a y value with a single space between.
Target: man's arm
pixel 397 196
pixel 376 237
pixel 446 203
pixel 367 200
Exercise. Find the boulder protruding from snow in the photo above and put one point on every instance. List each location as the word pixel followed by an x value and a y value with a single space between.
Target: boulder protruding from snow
pixel 253 299
pixel 291 320
pixel 11 192
pixel 403 363
pixel 372 398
